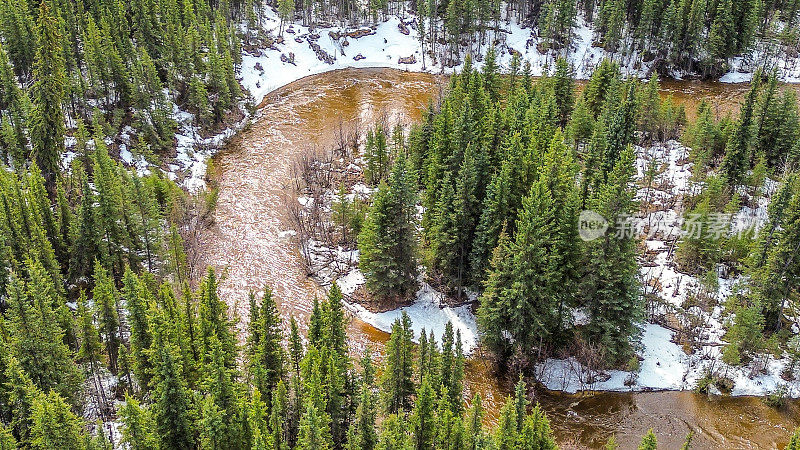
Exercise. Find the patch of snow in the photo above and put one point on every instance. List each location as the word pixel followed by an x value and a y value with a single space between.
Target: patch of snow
pixel 429 313
pixel 264 71
pixel 193 151
pixel 125 155
pixel 663 367
pixel 287 233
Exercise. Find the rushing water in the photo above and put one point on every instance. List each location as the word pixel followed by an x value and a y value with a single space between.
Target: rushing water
pixel 247 242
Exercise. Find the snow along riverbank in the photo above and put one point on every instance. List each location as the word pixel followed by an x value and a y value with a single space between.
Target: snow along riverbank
pixel 664 365
pixel 388 45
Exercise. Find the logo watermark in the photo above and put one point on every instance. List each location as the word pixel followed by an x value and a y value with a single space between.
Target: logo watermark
pixel 592 225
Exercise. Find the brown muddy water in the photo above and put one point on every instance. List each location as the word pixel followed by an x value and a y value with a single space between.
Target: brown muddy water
pixel 248 245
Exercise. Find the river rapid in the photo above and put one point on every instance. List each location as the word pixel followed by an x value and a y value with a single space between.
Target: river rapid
pixel 248 242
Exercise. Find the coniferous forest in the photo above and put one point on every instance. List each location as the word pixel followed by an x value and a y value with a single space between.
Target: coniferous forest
pixel 100 280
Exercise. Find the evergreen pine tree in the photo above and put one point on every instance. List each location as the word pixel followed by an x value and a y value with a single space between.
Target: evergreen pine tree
pixel 314 422
pixel 397 384
pixel 54 425
pixel 214 323
pixel 393 434
pixel 37 341
pixel 138 431
pixel 266 358
pixel 737 151
pixel 172 403
pixel 610 286
pixel 106 301
pixel 648 441
pixel 387 241
pixel 564 90
pixel 47 120
pixel 362 434
pixel 137 300
pixel 422 417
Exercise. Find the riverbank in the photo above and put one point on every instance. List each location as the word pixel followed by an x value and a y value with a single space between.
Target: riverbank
pixel 394 43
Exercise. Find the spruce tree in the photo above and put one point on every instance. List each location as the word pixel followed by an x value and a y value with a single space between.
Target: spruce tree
pixel 564 89
pixel 171 400
pixel 491 78
pixel 106 302
pixel 137 302
pixel 393 434
pixel 54 425
pixel 536 432
pixel 37 341
pixel 362 435
pixel 7 440
pixel 473 424
pixel 495 304
pixel 396 382
pixel 648 441
pixel 505 435
pixel 214 323
pixel 794 442
pixel 387 240
pixel 422 417
pixel 266 355
pixel 47 120
pixel 139 427
pixel 521 289
pixel 270 430
pixel 610 286
pixel 774 279
pixel 500 208
pixel 314 422
pixel 737 151
pixel 86 248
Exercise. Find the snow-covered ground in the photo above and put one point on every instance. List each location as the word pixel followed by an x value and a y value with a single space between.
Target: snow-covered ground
pixel 664 364
pixel 428 313
pixel 742 67
pixel 264 70
pixel 193 151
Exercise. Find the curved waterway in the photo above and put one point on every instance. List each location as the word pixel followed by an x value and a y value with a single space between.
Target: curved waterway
pixel 248 243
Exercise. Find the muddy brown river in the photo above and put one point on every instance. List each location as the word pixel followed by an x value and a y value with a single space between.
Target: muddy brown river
pixel 248 244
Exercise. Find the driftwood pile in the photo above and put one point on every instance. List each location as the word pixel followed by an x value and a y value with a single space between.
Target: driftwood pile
pixel 322 55
pixel 407 60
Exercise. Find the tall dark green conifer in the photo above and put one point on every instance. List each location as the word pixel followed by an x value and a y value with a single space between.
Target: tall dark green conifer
pixel 396 382
pixel 609 285
pixel 387 241
pixel 737 151
pixel 47 120
pixel 266 356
